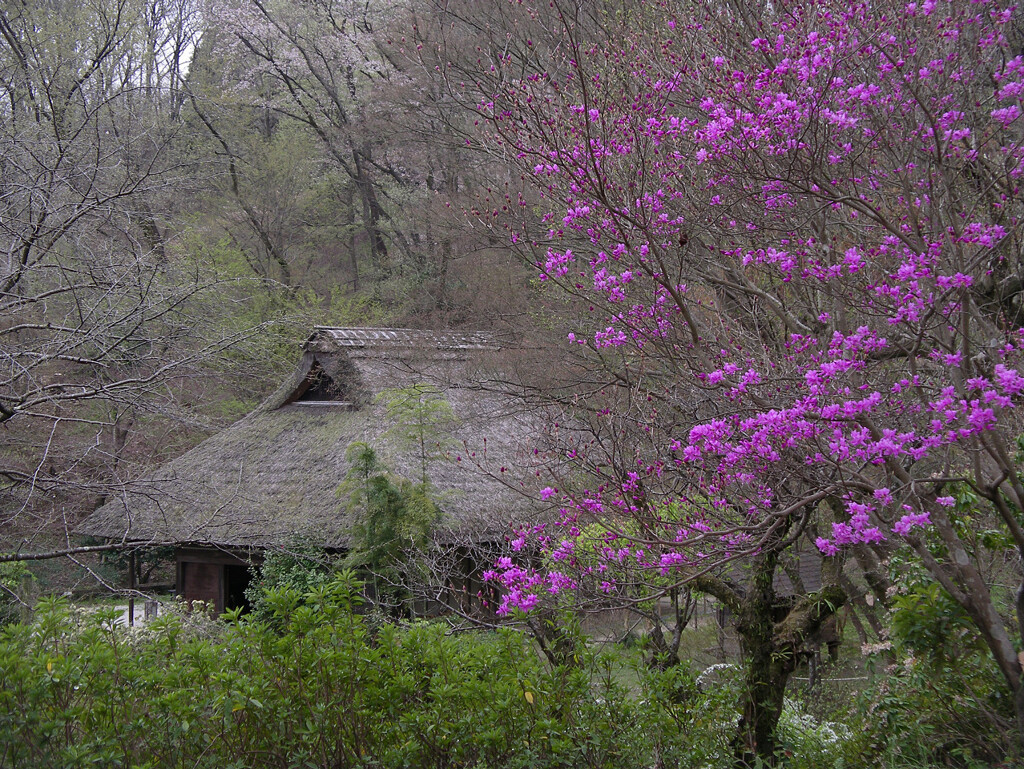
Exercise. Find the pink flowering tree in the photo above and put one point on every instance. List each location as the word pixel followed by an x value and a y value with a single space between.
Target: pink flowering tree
pixel 796 236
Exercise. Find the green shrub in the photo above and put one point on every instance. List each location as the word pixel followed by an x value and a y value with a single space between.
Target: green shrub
pixel 285 577
pixel 944 702
pixel 309 685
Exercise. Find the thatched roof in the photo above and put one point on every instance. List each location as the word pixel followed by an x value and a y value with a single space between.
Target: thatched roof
pixel 275 473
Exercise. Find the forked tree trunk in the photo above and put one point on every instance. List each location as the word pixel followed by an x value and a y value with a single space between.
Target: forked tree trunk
pixel 773 638
pixel 664 651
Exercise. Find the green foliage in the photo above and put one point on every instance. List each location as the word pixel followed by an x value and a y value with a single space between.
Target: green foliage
pixel 927 621
pixel 308 682
pixel 806 742
pixel 285 576
pixel 423 421
pixel 944 702
pixel 393 520
pixel 919 713
pixel 313 687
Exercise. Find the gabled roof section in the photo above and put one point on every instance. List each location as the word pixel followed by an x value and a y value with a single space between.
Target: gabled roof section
pixel 358 363
pixel 325 377
pixel 320 387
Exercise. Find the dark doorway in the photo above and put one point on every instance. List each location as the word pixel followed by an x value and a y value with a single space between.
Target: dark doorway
pixel 236 580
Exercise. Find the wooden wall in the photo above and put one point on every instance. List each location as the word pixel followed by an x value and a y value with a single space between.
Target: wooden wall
pixel 211 575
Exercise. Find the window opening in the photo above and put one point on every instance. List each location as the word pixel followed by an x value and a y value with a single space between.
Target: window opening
pixel 321 389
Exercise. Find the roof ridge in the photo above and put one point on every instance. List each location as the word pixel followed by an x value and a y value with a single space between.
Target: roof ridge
pixel 445 339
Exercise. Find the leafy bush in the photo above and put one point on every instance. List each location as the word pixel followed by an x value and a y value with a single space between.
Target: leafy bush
pixel 287 575
pixel 944 703
pixel 808 742
pixel 314 686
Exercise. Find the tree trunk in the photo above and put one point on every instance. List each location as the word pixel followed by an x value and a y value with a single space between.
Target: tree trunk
pixel 665 652
pixel 773 645
pixel 766 674
pixel 762 699
pixel 349 205
pixel 373 213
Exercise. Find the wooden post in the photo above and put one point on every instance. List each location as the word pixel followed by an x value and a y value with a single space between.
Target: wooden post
pixel 131 587
pixel 25 596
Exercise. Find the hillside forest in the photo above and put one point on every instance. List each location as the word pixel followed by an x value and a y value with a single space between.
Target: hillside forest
pixel 758 264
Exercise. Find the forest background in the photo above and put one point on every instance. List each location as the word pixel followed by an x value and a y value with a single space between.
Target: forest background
pixel 189 187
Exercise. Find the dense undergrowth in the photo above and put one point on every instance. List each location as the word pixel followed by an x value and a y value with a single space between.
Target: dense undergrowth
pixel 324 686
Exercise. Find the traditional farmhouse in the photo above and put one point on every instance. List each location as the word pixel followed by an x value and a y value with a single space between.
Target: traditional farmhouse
pixel 274 475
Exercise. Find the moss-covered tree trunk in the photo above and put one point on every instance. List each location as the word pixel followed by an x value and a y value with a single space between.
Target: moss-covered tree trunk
pixel 773 631
pixel 766 673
